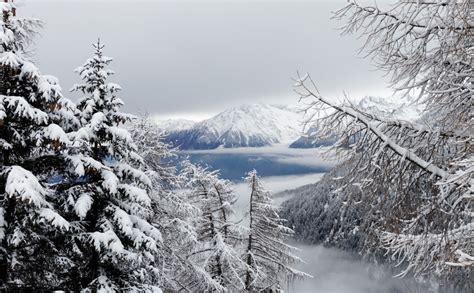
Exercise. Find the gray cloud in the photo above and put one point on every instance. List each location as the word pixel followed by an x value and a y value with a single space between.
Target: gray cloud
pixel 199 57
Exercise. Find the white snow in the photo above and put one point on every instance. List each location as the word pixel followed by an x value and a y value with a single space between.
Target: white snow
pixel 55 132
pixel 391 107
pixel 24 185
pixel 279 124
pixel 29 70
pixel 54 218
pixel 107 239
pixel 265 124
pixel 83 205
pixel 10 59
pixel 137 194
pixel 246 125
pixel 110 182
pixel 275 124
pixel 22 108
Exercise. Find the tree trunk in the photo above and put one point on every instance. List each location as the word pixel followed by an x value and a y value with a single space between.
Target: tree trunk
pixel 248 278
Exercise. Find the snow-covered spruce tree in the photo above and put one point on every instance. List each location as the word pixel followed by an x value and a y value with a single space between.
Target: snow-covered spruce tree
pixel 421 171
pixel 267 256
pixel 173 212
pixel 32 139
pixel 107 193
pixel 218 236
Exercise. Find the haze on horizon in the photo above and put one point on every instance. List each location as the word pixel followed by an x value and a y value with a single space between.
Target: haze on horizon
pixel 191 59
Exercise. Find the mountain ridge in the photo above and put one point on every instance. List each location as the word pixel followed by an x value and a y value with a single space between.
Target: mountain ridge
pixel 259 125
pixel 248 125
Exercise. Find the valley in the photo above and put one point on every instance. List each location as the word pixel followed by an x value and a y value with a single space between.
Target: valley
pixel 334 270
pixel 276 160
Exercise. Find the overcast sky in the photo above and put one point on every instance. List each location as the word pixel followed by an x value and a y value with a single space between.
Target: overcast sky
pixel 191 59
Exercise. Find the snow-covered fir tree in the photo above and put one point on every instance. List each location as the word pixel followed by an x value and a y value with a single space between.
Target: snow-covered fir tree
pixel 218 236
pixel 107 194
pixel 33 117
pixel 415 177
pixel 267 256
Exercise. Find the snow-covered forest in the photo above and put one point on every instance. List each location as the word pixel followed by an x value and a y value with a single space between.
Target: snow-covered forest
pixel 403 193
pixel 93 199
pixel 88 202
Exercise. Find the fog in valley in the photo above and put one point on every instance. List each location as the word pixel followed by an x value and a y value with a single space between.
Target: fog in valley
pixel 334 270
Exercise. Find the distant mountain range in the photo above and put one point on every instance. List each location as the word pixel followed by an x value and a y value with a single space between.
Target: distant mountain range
pixel 310 140
pixel 253 125
pixel 258 125
pixel 391 107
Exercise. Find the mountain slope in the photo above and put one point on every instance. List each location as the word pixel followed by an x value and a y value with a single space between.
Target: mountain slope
pixel 244 126
pixel 174 124
pixel 258 125
pixel 389 107
pixel 310 140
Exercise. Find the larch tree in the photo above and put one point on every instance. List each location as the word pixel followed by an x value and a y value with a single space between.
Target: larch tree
pixel 267 256
pixel 218 236
pixel 33 119
pixel 420 172
pixel 107 193
pixel 174 214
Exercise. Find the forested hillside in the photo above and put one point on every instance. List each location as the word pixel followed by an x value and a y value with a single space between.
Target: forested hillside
pixel 93 199
pixel 88 202
pixel 403 191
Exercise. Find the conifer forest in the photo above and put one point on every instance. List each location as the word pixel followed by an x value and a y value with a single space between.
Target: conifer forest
pixel 298 192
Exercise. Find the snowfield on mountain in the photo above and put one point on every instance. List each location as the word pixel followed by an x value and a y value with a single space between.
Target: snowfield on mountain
pixel 244 126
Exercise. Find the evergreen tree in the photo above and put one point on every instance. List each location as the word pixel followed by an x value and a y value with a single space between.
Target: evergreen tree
pixel 218 236
pixel 32 140
pixel 107 192
pixel 267 255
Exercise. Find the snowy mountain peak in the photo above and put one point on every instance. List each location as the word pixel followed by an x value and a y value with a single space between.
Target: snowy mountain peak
pixel 381 107
pixel 256 125
pixel 249 125
pixel 393 107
